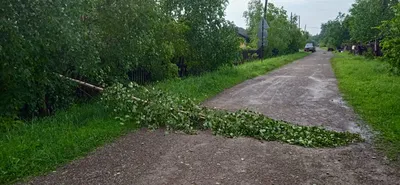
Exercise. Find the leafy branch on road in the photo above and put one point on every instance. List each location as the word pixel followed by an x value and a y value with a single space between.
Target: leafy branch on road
pixel 152 108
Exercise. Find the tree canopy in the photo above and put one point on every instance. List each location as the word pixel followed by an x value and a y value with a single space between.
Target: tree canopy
pixel 104 42
pixel 360 25
pixel 368 20
pixel 366 15
pixel 335 32
pixel 390 31
pixel 283 35
pixel 100 42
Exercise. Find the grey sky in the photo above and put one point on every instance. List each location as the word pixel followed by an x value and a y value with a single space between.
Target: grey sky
pixel 312 12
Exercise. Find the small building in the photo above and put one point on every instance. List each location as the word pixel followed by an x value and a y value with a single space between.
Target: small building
pixel 243 33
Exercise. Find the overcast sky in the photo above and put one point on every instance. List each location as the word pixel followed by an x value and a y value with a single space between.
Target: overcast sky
pixel 312 12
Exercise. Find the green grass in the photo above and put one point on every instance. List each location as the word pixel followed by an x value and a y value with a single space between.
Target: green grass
pixel 375 95
pixel 43 145
pixel 210 84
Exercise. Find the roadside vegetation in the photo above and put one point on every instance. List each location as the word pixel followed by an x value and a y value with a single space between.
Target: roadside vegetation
pixel 210 84
pixel 374 92
pixel 284 36
pixel 34 147
pixel 103 42
pixel 372 26
pixel 369 69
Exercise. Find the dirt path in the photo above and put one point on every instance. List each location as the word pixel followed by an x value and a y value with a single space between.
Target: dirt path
pixel 304 92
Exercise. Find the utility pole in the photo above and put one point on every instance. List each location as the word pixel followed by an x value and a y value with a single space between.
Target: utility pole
pixel 265 8
pixel 291 17
pixel 299 22
pixel 262 31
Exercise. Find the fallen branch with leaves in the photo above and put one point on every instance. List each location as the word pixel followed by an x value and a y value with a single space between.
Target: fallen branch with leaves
pixel 152 108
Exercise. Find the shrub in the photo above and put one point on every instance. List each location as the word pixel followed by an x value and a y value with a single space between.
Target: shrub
pixel 100 42
pixel 38 39
pixel 390 31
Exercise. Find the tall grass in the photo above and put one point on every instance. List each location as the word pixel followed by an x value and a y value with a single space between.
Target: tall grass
pixel 375 95
pixel 42 145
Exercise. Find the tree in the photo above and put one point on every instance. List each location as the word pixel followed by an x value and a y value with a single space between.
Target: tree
pixel 283 35
pixel 390 31
pixel 253 17
pixel 335 32
pixel 101 42
pixel 316 38
pixel 212 41
pixel 38 39
pixel 366 15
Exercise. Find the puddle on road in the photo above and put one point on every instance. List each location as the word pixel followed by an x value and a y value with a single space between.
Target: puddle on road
pixel 339 101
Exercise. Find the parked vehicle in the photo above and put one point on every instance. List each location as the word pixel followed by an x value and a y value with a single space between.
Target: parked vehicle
pixel 310 47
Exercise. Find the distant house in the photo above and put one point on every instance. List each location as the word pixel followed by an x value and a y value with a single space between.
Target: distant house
pixel 243 33
pixel 246 53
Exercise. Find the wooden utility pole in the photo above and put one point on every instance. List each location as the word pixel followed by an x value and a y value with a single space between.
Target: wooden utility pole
pixel 265 8
pixel 299 22
pixel 291 17
pixel 262 31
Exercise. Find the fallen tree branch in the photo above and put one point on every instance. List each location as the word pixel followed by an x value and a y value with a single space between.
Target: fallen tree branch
pixel 100 89
pixel 82 83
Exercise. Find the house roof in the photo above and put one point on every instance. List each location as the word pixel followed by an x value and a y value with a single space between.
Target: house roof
pixel 243 33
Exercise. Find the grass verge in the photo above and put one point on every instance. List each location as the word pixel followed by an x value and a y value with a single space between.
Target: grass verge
pixel 42 145
pixel 375 95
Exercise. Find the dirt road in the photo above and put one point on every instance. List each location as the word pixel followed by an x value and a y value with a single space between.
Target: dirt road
pixel 304 92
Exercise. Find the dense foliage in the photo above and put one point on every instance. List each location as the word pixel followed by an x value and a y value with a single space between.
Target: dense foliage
pixel 391 40
pixel 335 32
pixel 369 21
pixel 366 15
pixel 283 35
pixel 102 42
pixel 155 108
pixel 360 25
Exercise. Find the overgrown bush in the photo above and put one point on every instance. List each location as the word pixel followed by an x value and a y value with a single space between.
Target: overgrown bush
pixel 152 108
pixel 100 42
pixel 38 39
pixel 390 31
